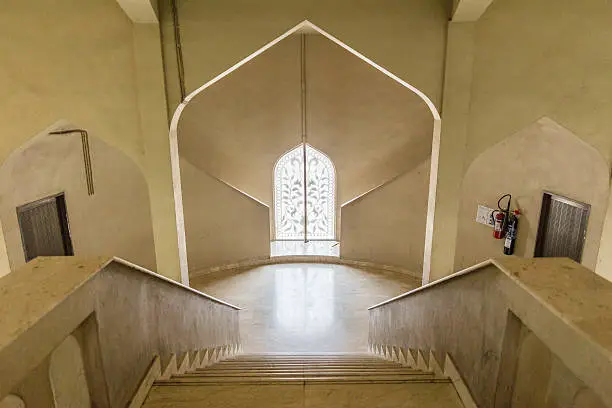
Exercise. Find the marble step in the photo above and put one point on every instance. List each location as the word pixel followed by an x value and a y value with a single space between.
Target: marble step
pixel 300 395
pixel 306 354
pixel 309 360
pixel 304 358
pixel 300 366
pixel 378 379
pixel 312 362
pixel 306 370
pixel 304 374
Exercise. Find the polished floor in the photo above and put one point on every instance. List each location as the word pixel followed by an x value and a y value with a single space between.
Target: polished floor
pixel 304 307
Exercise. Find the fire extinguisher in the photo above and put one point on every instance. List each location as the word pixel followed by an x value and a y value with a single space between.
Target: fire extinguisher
pixel 512 232
pixel 500 217
pixel 499 220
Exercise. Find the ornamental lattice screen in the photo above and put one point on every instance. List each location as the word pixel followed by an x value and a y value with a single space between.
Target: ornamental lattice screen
pixel 304 211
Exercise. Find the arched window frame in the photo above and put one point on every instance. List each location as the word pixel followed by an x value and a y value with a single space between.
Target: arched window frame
pixel 295 233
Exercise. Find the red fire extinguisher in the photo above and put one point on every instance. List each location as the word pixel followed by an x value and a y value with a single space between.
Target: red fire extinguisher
pixel 500 217
pixel 499 224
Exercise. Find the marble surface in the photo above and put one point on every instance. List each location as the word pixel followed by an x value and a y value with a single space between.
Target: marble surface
pixel 304 307
pixel 580 296
pixel 477 316
pixel 123 316
pixel 410 395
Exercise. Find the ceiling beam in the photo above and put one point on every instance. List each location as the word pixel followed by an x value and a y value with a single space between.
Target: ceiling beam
pixel 469 10
pixel 139 11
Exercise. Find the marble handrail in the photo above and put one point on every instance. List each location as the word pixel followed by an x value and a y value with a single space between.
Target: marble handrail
pixel 468 316
pixel 162 277
pixel 121 315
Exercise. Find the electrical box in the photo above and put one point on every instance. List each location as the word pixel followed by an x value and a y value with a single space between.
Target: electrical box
pixel 483 215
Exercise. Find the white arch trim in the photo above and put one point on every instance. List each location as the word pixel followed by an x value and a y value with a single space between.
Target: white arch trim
pixel 303 26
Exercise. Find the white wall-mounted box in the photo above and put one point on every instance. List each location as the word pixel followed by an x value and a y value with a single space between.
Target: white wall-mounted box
pixel 484 215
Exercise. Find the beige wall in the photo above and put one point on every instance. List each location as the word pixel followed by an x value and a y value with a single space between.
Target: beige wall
pixel 371 127
pixel 387 226
pixel 406 37
pixel 239 127
pixel 222 225
pixel 556 65
pixel 541 157
pixel 75 67
pixel 5 266
pixel 89 63
pixel 524 60
pixel 171 259
pixel 542 58
pixel 604 258
pixel 114 221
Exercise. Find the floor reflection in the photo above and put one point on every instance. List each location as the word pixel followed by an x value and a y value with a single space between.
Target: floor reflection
pixel 304 307
pixel 304 299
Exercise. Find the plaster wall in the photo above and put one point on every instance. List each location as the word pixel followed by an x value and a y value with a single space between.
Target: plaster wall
pixel 238 128
pixel 519 62
pixel 542 58
pixel 371 127
pixel 542 157
pixel 115 221
pixel 156 162
pixel 90 63
pixel 79 65
pixel 604 258
pixel 5 266
pixel 217 35
pixel 223 225
pixel 387 225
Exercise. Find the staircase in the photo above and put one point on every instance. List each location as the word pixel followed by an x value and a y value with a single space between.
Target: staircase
pixel 304 380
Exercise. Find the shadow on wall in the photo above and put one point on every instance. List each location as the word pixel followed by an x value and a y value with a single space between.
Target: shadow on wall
pixel 387 225
pixel 116 220
pixel 222 224
pixel 542 157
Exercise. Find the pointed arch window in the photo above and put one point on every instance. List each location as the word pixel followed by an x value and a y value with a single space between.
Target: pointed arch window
pixel 304 195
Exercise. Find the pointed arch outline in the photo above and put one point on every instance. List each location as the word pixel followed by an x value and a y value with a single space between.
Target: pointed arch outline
pixel 304 25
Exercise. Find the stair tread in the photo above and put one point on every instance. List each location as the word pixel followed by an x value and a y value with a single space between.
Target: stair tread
pixel 304 380
pixel 332 364
pixel 308 374
pixel 218 371
pixel 324 380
